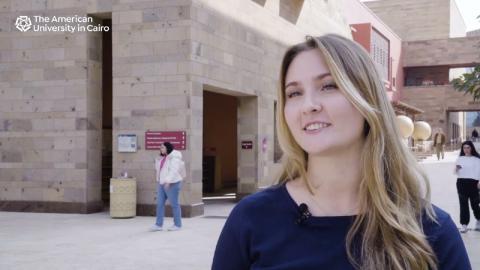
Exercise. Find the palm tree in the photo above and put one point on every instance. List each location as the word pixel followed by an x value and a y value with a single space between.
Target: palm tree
pixel 469 83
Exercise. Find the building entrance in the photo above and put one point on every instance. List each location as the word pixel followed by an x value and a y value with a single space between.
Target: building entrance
pixel 219 143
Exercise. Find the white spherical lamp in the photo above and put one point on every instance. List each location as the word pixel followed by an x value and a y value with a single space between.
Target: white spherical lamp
pixel 405 126
pixel 421 130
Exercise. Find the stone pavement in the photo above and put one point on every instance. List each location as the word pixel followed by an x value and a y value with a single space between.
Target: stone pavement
pixel 95 241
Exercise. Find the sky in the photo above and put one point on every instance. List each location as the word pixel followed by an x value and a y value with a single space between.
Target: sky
pixel 470 9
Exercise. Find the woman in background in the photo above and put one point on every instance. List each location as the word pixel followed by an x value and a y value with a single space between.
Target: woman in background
pixel 169 168
pixel 468 173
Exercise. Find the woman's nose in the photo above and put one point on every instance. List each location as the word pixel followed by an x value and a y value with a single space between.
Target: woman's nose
pixel 311 105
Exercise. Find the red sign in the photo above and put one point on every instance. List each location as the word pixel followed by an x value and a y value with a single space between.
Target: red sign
pixel 247 144
pixel 153 139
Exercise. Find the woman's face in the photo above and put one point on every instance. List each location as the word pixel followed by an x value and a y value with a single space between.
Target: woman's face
pixel 318 115
pixel 467 150
pixel 163 150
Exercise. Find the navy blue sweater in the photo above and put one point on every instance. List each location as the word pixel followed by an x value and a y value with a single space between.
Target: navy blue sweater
pixel 261 233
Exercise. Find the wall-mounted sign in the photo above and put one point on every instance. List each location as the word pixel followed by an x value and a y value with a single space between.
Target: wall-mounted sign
pixel 127 143
pixel 247 144
pixel 153 139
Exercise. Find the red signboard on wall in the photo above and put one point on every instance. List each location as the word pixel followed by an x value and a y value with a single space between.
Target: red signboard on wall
pixel 247 144
pixel 153 139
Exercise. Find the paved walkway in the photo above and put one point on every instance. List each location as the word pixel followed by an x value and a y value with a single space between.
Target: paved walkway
pixel 71 241
pixel 444 195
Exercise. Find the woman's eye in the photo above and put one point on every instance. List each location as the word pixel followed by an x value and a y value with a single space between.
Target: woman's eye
pixel 329 86
pixel 293 94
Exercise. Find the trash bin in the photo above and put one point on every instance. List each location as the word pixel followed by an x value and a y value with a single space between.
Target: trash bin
pixel 123 197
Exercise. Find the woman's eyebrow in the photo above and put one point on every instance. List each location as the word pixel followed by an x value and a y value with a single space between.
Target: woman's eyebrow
pixel 291 84
pixel 318 78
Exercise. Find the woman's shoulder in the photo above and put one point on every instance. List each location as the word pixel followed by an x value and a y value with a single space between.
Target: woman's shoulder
pixel 446 242
pixel 261 201
pixel 440 227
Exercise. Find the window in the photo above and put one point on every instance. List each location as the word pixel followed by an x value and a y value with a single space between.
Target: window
pixel 380 51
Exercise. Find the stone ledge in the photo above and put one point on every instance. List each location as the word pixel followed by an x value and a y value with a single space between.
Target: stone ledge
pixel 51 207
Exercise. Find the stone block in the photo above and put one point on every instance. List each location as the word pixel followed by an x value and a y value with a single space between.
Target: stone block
pixel 144 69
pixel 134 16
pixel 53 194
pixel 32 155
pixel 54 73
pixel 128 123
pixel 65 124
pixel 140 49
pixel 52 54
pixel 142 89
pixel 83 123
pixel 11 93
pixel 17 125
pixel 76 72
pixel 63 143
pixel 11 156
pixel 74 195
pixel 35 74
pixel 246 171
pixel 32 194
pixel 43 124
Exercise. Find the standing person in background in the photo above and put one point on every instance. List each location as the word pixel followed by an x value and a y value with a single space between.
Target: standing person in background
pixel 170 171
pixel 438 143
pixel 468 173
pixel 474 135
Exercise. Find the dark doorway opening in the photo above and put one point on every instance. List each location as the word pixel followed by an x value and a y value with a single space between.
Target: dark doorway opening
pixel 219 144
pixel 107 110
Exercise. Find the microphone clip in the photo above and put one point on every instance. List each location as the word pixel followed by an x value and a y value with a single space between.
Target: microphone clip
pixel 304 214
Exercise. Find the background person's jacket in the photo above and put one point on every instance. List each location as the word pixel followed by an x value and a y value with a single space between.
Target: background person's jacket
pixel 172 171
pixel 442 139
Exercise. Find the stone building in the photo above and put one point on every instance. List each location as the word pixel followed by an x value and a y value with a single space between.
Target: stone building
pixel 435 48
pixel 79 107
pixel 203 67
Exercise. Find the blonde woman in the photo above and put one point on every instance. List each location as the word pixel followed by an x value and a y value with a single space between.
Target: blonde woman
pixel 350 195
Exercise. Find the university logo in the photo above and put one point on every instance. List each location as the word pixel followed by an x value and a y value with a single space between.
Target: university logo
pixel 23 23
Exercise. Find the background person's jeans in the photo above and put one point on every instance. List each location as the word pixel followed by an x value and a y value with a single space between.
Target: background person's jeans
pixel 467 190
pixel 171 193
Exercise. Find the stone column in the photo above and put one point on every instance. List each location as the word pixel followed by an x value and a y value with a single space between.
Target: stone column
pixel 247 158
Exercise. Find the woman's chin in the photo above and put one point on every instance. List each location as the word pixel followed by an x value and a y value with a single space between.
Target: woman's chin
pixel 317 150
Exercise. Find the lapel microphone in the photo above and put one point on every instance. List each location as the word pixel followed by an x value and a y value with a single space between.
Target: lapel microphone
pixel 304 214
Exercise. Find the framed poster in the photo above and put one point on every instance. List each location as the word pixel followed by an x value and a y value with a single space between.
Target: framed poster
pixel 127 143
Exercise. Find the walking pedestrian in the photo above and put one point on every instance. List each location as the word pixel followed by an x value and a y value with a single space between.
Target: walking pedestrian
pixel 170 171
pixel 468 172
pixel 438 143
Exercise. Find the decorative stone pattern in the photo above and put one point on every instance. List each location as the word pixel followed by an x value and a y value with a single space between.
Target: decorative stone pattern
pixel 455 52
pixel 165 54
pixel 43 103
pixel 415 20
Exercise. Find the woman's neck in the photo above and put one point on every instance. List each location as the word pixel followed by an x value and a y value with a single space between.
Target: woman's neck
pixel 335 180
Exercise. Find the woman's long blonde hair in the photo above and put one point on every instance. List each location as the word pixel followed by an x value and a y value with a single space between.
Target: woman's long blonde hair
pixel 394 192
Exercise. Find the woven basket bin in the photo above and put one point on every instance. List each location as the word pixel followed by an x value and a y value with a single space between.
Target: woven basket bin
pixel 123 198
